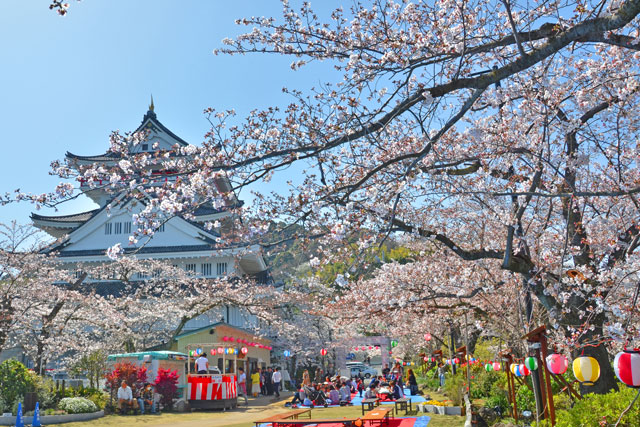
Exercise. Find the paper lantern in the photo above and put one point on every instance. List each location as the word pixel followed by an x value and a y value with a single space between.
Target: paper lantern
pixel 488 367
pixel 512 368
pixel 198 351
pixel 586 370
pixel 427 337
pixel 190 352
pixel 220 350
pixel 426 359
pixel 370 348
pixel 225 338
pixel 557 364
pixel 531 363
pixel 226 351
pixel 287 353
pixel 323 352
pixel 245 350
pixel 213 352
pixel 523 369
pixel 394 343
pixel 456 361
pixel 496 366
pixel 232 339
pixel 627 367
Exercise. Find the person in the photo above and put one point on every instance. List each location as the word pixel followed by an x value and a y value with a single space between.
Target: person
pixel 345 393
pixel 276 379
pixel 255 383
pixel 334 395
pixel 268 380
pixel 299 396
pixel 125 397
pixel 360 387
pixel 413 383
pixel 385 370
pixel 374 382
pixel 400 374
pixel 441 371
pixel 202 364
pixel 146 399
pixel 263 381
pixel 306 380
pixel 242 385
pixel 395 392
pixel 318 377
pixel 370 393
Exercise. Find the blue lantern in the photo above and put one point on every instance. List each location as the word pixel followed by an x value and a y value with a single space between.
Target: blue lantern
pixel 287 353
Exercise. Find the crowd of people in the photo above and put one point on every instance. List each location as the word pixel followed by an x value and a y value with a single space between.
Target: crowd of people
pixel 144 399
pixel 339 390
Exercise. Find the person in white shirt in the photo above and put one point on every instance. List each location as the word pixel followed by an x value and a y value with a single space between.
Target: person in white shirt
pixel 202 364
pixel 242 385
pixel 125 396
pixel 276 379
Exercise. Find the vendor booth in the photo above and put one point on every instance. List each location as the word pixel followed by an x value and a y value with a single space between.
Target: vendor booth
pixel 153 361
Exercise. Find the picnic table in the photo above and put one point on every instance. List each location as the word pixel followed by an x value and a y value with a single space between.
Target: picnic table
pixel 282 418
pixel 379 414
pixel 402 404
pixel 371 403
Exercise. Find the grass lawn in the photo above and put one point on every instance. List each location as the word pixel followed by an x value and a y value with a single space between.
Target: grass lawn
pixel 239 418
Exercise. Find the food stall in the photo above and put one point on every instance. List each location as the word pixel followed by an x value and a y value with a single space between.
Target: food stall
pixel 215 390
pixel 153 361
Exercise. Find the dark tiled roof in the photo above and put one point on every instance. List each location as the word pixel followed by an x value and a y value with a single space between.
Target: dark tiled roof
pixel 151 115
pixel 78 217
pixel 106 157
pixel 144 250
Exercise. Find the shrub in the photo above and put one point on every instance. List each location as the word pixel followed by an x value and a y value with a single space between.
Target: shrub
pixel 134 375
pixel 454 388
pixel 499 400
pixel 45 388
pixel 167 385
pixel 77 405
pixel 525 399
pixel 594 409
pixel 15 381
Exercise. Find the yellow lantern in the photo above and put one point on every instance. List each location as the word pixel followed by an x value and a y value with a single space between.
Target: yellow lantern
pixel 586 370
pixel 513 368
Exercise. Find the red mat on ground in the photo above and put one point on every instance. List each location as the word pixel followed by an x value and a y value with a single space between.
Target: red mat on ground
pixel 393 422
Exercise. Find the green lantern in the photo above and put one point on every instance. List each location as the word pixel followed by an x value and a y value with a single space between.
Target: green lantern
pixel 488 367
pixel 531 363
pixel 394 343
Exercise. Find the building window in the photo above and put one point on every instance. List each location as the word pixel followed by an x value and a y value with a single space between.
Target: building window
pixel 156 273
pixel 205 269
pixel 117 228
pixel 145 147
pixel 77 274
pixel 108 228
pixel 142 275
pixel 127 227
pixel 221 268
pixel 161 228
pixel 190 268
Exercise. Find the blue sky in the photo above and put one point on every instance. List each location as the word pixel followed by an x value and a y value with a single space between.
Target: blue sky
pixel 67 82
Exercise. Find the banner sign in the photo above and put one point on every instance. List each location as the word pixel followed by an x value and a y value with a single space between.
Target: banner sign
pixel 214 387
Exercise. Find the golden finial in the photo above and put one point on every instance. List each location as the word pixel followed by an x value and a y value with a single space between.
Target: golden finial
pixel 151 106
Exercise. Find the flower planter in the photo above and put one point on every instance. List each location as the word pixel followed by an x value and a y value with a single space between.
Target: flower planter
pixel 53 419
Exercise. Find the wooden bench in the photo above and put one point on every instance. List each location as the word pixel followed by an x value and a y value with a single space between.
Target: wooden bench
pixel 379 414
pixel 402 405
pixel 284 417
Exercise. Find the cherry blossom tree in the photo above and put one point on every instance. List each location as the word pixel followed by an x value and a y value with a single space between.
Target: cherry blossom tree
pixel 500 135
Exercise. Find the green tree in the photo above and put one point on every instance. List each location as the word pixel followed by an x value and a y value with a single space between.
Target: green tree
pixel 15 381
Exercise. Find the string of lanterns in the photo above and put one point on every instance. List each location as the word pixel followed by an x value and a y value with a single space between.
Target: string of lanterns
pixel 246 342
pixel 364 348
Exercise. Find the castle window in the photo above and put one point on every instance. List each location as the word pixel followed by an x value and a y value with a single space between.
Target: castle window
pixel 108 228
pixel 205 269
pixel 221 268
pixel 161 228
pixel 145 147
pixel 117 228
pixel 190 268
pixel 142 275
pixel 127 227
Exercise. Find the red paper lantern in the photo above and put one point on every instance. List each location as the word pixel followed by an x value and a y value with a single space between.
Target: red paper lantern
pixel 370 348
pixel 245 350
pixel 557 364
pixel 627 367
pixel 524 370
pixel 456 361
pixel 225 338
pixel 232 339
pixel 220 350
pixel 426 359
pixel 427 337
pixel 323 352
pixel 213 352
